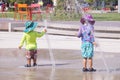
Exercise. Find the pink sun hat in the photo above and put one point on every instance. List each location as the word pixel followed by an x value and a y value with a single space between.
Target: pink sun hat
pixel 90 19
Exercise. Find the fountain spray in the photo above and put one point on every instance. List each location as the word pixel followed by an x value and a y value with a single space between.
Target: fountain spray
pixel 49 46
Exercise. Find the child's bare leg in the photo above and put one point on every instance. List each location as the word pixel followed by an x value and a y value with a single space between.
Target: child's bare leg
pixel 29 61
pixel 90 63
pixel 85 63
pixel 35 60
pixel 28 57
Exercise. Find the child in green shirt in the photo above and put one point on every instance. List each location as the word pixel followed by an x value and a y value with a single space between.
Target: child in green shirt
pixel 29 38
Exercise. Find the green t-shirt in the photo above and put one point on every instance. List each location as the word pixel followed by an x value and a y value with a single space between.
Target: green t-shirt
pixel 30 39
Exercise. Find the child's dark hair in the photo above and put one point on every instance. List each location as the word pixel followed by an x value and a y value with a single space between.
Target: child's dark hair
pixel 82 20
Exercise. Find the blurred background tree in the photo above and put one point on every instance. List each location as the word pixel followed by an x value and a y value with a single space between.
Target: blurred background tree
pixel 61 2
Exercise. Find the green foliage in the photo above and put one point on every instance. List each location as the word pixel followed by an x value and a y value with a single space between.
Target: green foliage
pixel 11 1
pixel 25 1
pixel 20 1
pixel 89 1
pixel 106 16
pixel 64 16
pixel 107 1
pixel 60 4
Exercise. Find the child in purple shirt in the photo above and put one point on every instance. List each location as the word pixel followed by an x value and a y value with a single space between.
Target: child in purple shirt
pixel 86 32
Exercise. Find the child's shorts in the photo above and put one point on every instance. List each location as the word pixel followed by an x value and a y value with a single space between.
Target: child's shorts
pixel 31 54
pixel 87 50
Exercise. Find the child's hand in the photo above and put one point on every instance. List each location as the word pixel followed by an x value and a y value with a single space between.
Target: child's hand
pixel 95 44
pixel 45 30
pixel 19 47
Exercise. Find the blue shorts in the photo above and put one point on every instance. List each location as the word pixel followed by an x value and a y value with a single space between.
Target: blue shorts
pixel 87 50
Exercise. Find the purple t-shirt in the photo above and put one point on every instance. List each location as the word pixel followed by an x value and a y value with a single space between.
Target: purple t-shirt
pixel 86 32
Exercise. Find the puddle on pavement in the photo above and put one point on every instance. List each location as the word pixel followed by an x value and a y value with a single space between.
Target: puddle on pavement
pixel 68 66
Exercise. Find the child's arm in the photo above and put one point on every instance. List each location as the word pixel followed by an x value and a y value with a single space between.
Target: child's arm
pixel 94 43
pixel 42 33
pixel 22 42
pixel 79 33
pixel 93 37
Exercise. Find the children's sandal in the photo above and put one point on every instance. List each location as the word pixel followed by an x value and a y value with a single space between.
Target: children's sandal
pixel 27 65
pixel 85 70
pixel 92 70
pixel 34 64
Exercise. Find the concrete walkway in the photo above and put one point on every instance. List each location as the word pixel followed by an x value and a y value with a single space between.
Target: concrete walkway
pixel 65 33
pixel 12 39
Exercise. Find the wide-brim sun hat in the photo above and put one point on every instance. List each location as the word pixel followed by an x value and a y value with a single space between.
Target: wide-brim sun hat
pixel 30 26
pixel 90 19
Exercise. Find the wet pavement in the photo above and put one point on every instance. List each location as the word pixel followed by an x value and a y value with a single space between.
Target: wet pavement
pixel 67 56
pixel 68 66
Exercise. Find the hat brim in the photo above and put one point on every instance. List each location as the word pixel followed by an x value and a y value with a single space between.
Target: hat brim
pixel 91 20
pixel 33 26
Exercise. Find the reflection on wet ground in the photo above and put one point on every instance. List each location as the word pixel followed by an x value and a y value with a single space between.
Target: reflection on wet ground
pixel 68 66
